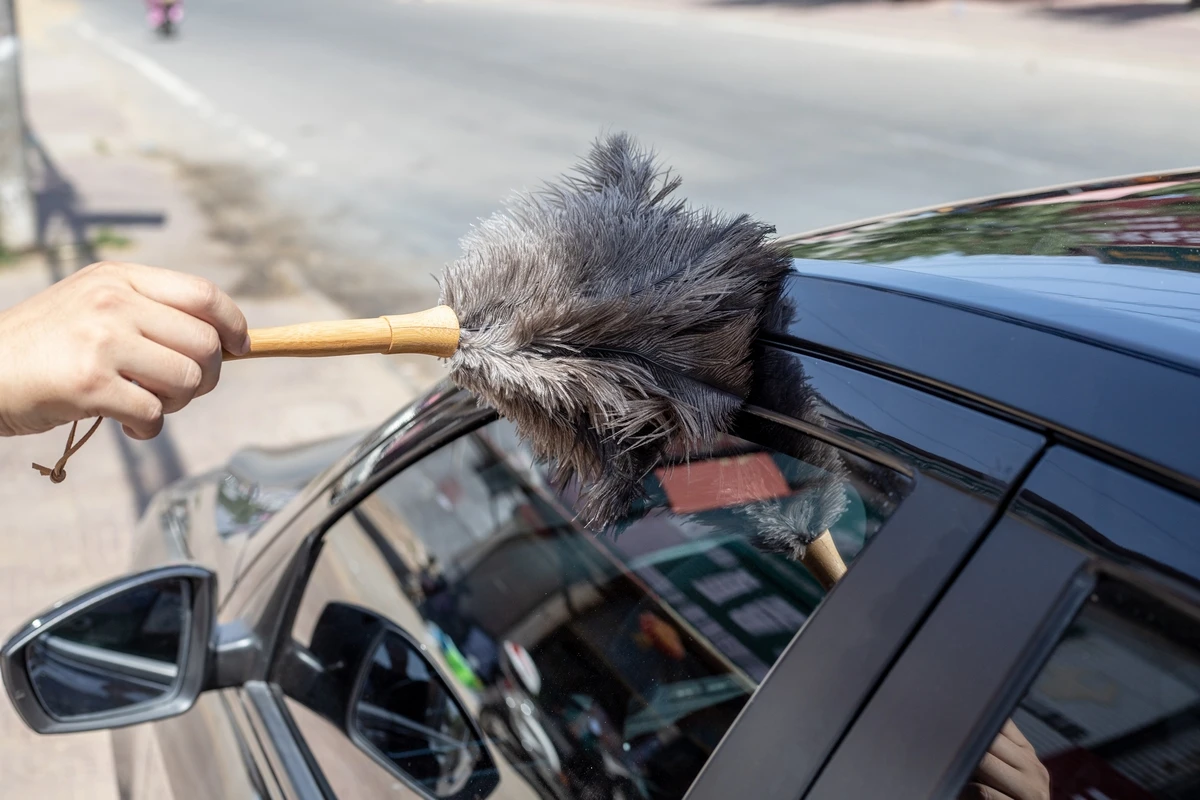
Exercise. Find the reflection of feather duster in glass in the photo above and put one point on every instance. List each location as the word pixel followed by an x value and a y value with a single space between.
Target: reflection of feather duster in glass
pixel 790 524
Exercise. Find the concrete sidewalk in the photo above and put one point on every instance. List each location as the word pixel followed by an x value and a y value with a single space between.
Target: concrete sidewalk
pixel 99 187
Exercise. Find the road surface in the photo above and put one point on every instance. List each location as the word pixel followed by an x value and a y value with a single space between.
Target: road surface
pixel 389 126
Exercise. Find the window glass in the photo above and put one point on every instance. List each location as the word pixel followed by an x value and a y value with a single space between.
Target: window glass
pixel 594 666
pixel 1114 714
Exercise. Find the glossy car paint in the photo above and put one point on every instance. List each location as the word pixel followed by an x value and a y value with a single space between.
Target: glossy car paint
pixel 942 309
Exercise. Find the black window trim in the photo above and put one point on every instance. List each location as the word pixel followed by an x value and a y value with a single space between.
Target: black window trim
pixel 1045 605
pixel 254 753
pixel 286 756
pixel 829 437
pixel 935 516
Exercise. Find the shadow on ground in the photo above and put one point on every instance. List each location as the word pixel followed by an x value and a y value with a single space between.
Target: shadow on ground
pixel 1118 13
pixel 65 236
pixel 792 3
pixel 1099 13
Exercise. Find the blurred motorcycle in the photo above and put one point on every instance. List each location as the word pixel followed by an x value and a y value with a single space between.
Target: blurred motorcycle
pixel 164 15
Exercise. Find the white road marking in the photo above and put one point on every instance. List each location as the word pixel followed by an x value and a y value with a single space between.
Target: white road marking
pixel 167 81
pixel 183 93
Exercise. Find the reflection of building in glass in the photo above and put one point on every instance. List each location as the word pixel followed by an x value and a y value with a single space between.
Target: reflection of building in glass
pixel 1116 710
pixel 1187 258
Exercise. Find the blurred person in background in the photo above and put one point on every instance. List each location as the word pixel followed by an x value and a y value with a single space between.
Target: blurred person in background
pixel 164 15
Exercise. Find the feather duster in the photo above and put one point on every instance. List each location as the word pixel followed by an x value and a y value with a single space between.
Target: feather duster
pixel 610 321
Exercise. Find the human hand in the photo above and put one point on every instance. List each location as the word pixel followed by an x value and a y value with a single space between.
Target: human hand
pixel 117 340
pixel 1009 771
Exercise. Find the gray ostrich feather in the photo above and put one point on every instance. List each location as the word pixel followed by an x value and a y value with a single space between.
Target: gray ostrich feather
pixel 609 321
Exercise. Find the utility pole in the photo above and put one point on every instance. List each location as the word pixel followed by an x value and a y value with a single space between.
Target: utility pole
pixel 18 223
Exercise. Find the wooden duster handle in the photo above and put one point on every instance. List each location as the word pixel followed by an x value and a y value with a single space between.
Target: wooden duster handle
pixel 433 333
pixel 822 559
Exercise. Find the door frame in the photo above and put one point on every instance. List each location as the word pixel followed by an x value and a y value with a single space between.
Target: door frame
pixel 984 644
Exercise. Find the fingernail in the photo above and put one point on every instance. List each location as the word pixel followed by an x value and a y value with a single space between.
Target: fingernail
pixel 245 348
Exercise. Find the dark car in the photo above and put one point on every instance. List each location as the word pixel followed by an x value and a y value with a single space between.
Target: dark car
pixel 1012 386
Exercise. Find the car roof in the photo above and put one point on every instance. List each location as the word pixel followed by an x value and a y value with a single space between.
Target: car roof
pixel 1144 310
pixel 1074 309
pixel 1117 261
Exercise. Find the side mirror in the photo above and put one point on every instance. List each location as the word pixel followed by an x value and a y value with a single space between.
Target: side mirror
pixel 403 713
pixel 134 650
pixel 375 683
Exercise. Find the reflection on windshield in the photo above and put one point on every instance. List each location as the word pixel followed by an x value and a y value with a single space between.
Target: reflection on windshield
pixel 243 507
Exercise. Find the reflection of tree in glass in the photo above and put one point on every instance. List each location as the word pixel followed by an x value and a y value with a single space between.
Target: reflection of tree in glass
pixel 1050 229
pixel 243 507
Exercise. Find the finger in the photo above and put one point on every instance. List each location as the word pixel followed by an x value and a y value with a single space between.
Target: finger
pixel 183 333
pixel 1011 731
pixel 170 376
pixel 139 411
pixel 995 774
pixel 1010 752
pixel 196 296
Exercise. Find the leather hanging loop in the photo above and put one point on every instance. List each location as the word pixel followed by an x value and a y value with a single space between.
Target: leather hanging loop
pixel 58 473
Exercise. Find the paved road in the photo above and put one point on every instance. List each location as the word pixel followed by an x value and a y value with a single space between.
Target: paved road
pixel 395 125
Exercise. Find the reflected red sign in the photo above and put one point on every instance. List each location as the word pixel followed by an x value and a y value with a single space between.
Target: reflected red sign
pixel 722 482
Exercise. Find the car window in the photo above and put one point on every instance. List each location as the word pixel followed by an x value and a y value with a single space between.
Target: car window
pixel 561 664
pixel 1115 712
